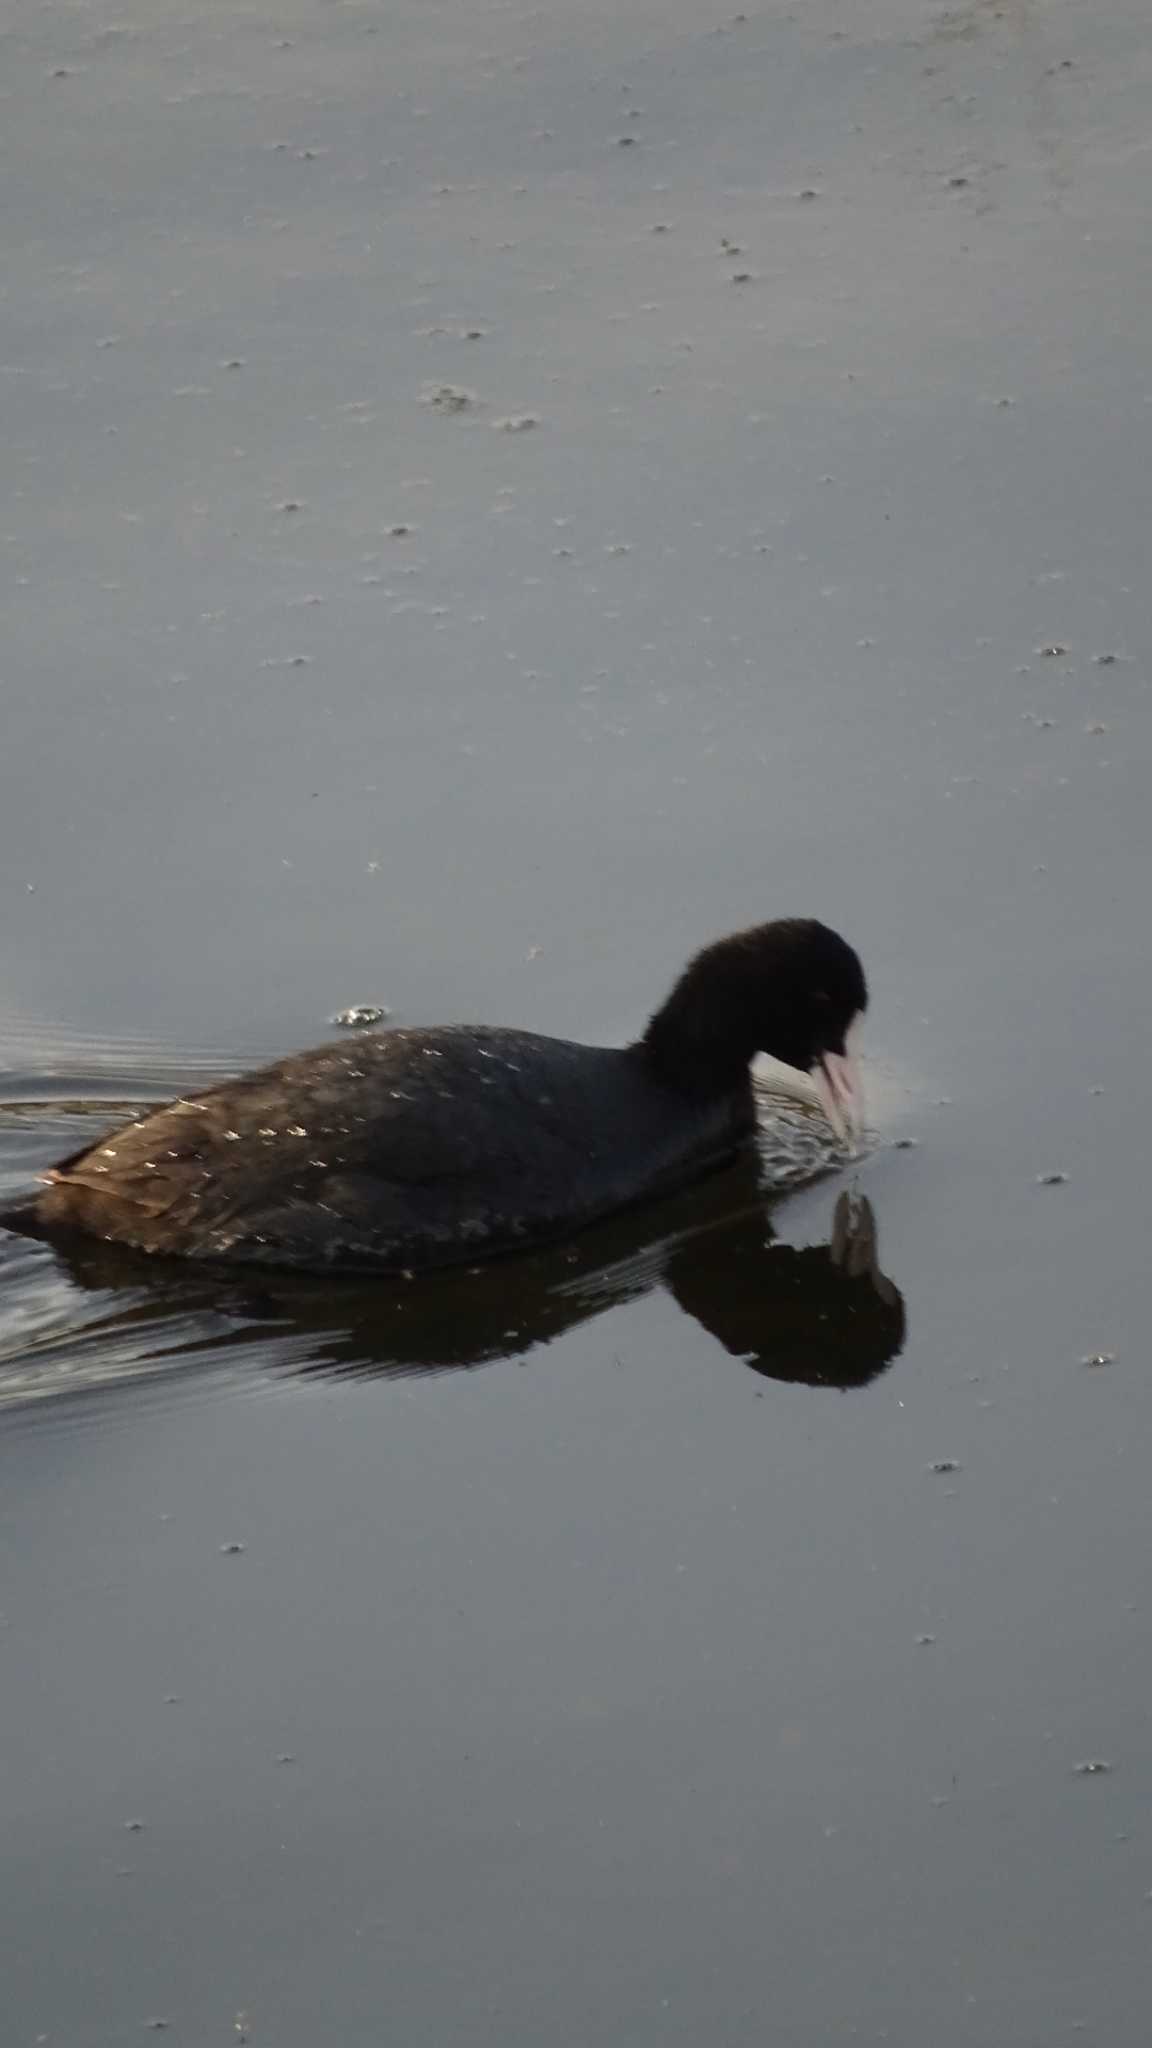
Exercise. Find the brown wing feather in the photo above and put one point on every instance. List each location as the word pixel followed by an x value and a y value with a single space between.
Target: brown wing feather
pixel 193 1166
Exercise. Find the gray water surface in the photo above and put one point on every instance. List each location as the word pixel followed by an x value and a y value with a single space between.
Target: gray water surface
pixel 493 497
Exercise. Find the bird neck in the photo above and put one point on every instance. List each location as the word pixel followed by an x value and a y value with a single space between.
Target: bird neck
pixel 700 1040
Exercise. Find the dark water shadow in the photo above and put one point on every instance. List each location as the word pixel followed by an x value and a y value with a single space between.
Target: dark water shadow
pixel 822 1315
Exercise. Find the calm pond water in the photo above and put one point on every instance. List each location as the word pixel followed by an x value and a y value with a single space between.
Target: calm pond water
pixel 493 497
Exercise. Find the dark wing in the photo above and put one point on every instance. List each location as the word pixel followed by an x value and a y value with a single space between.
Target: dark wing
pixel 360 1140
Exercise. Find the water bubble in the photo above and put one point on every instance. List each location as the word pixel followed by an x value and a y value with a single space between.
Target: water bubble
pixel 358 1016
pixel 451 398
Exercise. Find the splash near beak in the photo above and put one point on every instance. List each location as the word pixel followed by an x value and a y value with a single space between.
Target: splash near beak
pixel 837 1080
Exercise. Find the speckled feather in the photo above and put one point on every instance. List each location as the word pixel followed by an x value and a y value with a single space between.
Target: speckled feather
pixel 386 1172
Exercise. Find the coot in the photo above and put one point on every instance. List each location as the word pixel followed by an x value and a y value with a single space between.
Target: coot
pixel 416 1148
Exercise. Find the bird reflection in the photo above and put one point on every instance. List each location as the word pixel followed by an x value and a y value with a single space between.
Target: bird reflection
pixel 821 1315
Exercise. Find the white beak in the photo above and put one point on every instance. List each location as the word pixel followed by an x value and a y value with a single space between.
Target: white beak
pixel 837 1081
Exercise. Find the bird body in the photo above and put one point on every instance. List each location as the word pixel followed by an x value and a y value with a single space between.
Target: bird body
pixel 412 1148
